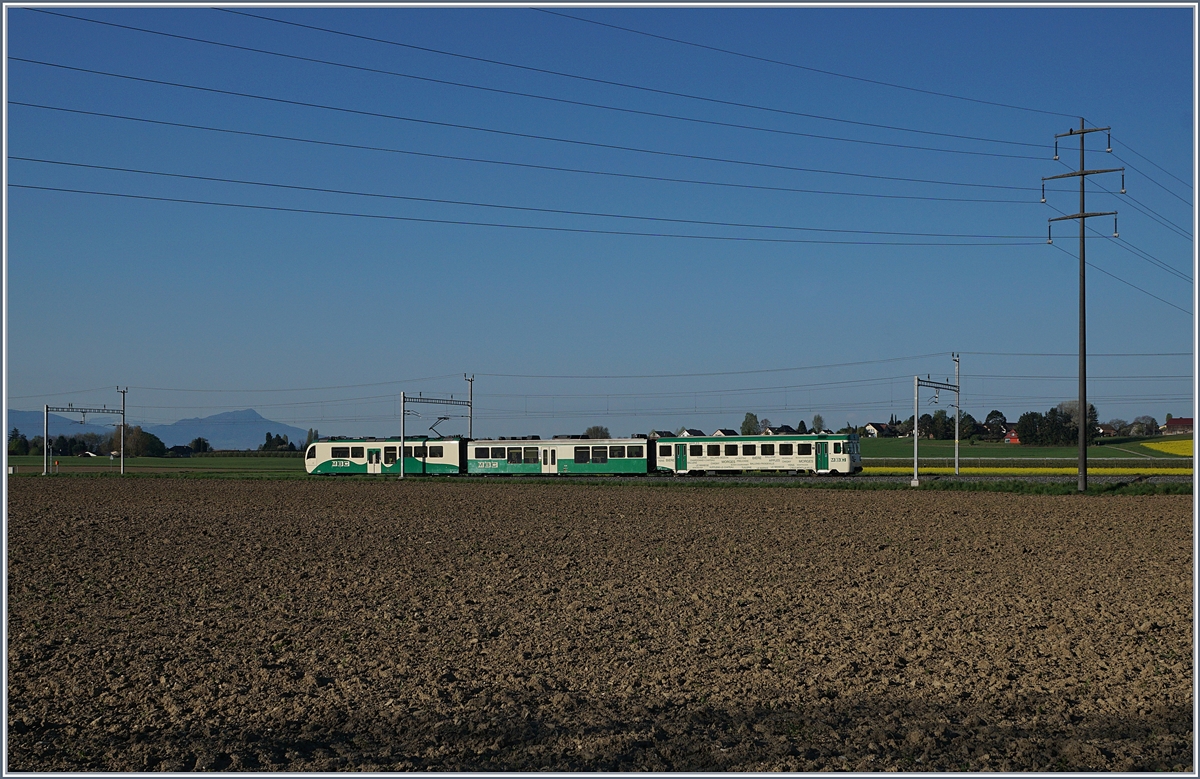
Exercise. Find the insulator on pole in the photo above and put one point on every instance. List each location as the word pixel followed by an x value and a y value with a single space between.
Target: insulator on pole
pixel 1043 192
pixel 1109 149
pixel 1122 183
pixel 1056 148
pixel 1049 239
pixel 1115 233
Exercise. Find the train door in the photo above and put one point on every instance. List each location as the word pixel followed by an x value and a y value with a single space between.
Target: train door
pixel 681 458
pixel 822 456
pixel 549 460
pixel 373 461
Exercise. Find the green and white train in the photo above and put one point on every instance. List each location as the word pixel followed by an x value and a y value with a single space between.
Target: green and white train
pixel 822 453
pixel 432 456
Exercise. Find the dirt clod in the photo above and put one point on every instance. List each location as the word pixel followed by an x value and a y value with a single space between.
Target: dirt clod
pixel 196 625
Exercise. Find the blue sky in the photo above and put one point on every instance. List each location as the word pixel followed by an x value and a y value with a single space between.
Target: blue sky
pixel 320 320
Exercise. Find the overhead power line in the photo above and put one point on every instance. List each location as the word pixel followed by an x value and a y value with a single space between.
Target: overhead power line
pixel 476 204
pixel 625 85
pixel 1090 264
pixel 1152 180
pixel 511 133
pixel 548 98
pixel 1123 244
pixel 841 75
pixel 1155 164
pixel 1141 207
pixel 509 163
pixel 768 60
pixel 324 212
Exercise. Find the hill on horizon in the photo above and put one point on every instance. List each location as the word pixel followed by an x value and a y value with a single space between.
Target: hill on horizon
pixel 245 429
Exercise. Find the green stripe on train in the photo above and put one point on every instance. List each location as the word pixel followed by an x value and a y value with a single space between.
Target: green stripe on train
pixel 411 466
pixel 564 466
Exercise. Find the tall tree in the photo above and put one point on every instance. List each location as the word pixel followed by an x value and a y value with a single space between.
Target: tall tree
pixel 818 423
pixel 750 424
pixel 200 445
pixel 1029 428
pixel 996 425
pixel 1145 425
pixel 597 431
pixel 801 427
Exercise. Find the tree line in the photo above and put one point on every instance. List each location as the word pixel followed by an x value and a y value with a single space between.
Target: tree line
pixel 138 443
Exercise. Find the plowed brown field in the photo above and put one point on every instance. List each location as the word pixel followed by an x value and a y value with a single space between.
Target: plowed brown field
pixel 162 624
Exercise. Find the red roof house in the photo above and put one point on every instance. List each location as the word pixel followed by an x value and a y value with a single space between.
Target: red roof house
pixel 1177 425
pixel 1011 436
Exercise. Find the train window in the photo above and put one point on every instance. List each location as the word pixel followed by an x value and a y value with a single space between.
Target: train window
pixel 696 450
pixel 803 449
pixel 837 447
pixel 514 455
pixel 312 453
pixel 616 451
pixel 531 455
pixel 356 451
pixel 582 454
pixel 435 451
pixel 749 449
pixel 408 451
pixel 599 454
pixel 634 451
pixel 481 453
pixel 553 459
pixel 664 451
pixel 731 450
pixel 497 453
pixel 785 449
pixel 389 455
pixel 420 451
pixel 714 450
pixel 768 450
pixel 339 452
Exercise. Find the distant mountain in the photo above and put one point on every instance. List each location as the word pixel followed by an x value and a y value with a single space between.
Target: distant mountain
pixel 246 429
pixel 30 424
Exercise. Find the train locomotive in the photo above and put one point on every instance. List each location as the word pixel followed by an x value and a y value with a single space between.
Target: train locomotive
pixel 724 452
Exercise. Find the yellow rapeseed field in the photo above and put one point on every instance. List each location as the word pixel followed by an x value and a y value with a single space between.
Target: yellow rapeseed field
pixel 1180 446
pixel 1034 471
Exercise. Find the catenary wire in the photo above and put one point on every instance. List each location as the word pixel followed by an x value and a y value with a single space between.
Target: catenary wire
pixel 739 392
pixel 533 166
pixel 511 133
pixel 768 60
pixel 464 222
pixel 652 90
pixel 514 93
pixel 557 211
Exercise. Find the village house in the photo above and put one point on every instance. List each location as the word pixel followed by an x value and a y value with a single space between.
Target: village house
pixel 1179 425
